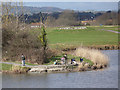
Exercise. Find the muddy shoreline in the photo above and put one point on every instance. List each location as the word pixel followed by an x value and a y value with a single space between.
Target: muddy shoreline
pixel 98 47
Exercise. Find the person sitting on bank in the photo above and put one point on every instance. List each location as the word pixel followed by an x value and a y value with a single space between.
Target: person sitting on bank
pixel 65 56
pixel 23 60
pixel 81 59
pixel 56 62
pixel 72 60
pixel 63 60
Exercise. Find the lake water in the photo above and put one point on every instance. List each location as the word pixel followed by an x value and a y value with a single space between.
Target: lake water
pixel 107 78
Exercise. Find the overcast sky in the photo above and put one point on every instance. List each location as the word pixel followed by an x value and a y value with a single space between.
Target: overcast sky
pixel 63 0
pixel 80 5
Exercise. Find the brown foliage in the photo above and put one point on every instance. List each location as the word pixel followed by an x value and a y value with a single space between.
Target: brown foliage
pixel 17 41
pixel 66 18
pixel 94 55
pixel 110 18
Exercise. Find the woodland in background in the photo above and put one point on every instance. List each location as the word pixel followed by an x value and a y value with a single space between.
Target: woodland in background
pixel 73 18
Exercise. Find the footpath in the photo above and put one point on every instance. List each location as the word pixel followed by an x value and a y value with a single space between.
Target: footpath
pixel 42 68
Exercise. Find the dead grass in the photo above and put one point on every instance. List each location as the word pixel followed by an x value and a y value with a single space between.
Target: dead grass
pixel 98 58
pixel 20 69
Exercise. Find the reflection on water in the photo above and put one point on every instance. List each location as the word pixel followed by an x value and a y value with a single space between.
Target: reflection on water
pixel 107 78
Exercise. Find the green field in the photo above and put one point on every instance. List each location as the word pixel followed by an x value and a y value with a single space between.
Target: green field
pixel 114 28
pixel 93 35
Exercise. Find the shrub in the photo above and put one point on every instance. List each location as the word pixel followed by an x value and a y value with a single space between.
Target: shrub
pixel 23 41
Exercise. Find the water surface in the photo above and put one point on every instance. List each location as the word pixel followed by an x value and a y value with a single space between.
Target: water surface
pixel 107 78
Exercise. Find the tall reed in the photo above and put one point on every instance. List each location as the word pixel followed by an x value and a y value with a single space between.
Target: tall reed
pixel 96 56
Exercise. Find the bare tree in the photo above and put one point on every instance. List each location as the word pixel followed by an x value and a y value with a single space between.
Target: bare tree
pixel 67 18
pixel 108 18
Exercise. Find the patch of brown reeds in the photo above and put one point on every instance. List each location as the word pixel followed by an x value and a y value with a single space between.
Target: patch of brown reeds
pixel 97 57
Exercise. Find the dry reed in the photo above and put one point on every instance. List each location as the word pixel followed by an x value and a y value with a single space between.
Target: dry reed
pixel 98 58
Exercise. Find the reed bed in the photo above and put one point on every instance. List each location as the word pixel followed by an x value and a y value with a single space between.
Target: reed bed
pixel 96 56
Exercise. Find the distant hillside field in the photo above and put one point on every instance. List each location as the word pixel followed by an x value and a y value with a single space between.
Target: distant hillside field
pixel 90 36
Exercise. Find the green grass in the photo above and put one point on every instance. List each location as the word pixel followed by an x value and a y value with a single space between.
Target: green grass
pixel 114 28
pixel 6 66
pixel 53 59
pixel 30 64
pixel 90 36
pixel 93 35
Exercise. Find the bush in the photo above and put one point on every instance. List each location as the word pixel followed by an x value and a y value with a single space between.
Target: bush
pixel 17 39
pixel 23 42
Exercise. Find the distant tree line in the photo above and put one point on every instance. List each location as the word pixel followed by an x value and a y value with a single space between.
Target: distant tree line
pixel 108 18
pixel 72 18
pixel 119 13
pixel 67 17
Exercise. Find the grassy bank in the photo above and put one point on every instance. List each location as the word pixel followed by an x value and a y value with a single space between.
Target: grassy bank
pixel 10 68
pixel 7 67
pixel 77 58
pixel 92 60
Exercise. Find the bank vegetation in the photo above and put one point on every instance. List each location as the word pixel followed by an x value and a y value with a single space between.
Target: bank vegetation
pixel 96 56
